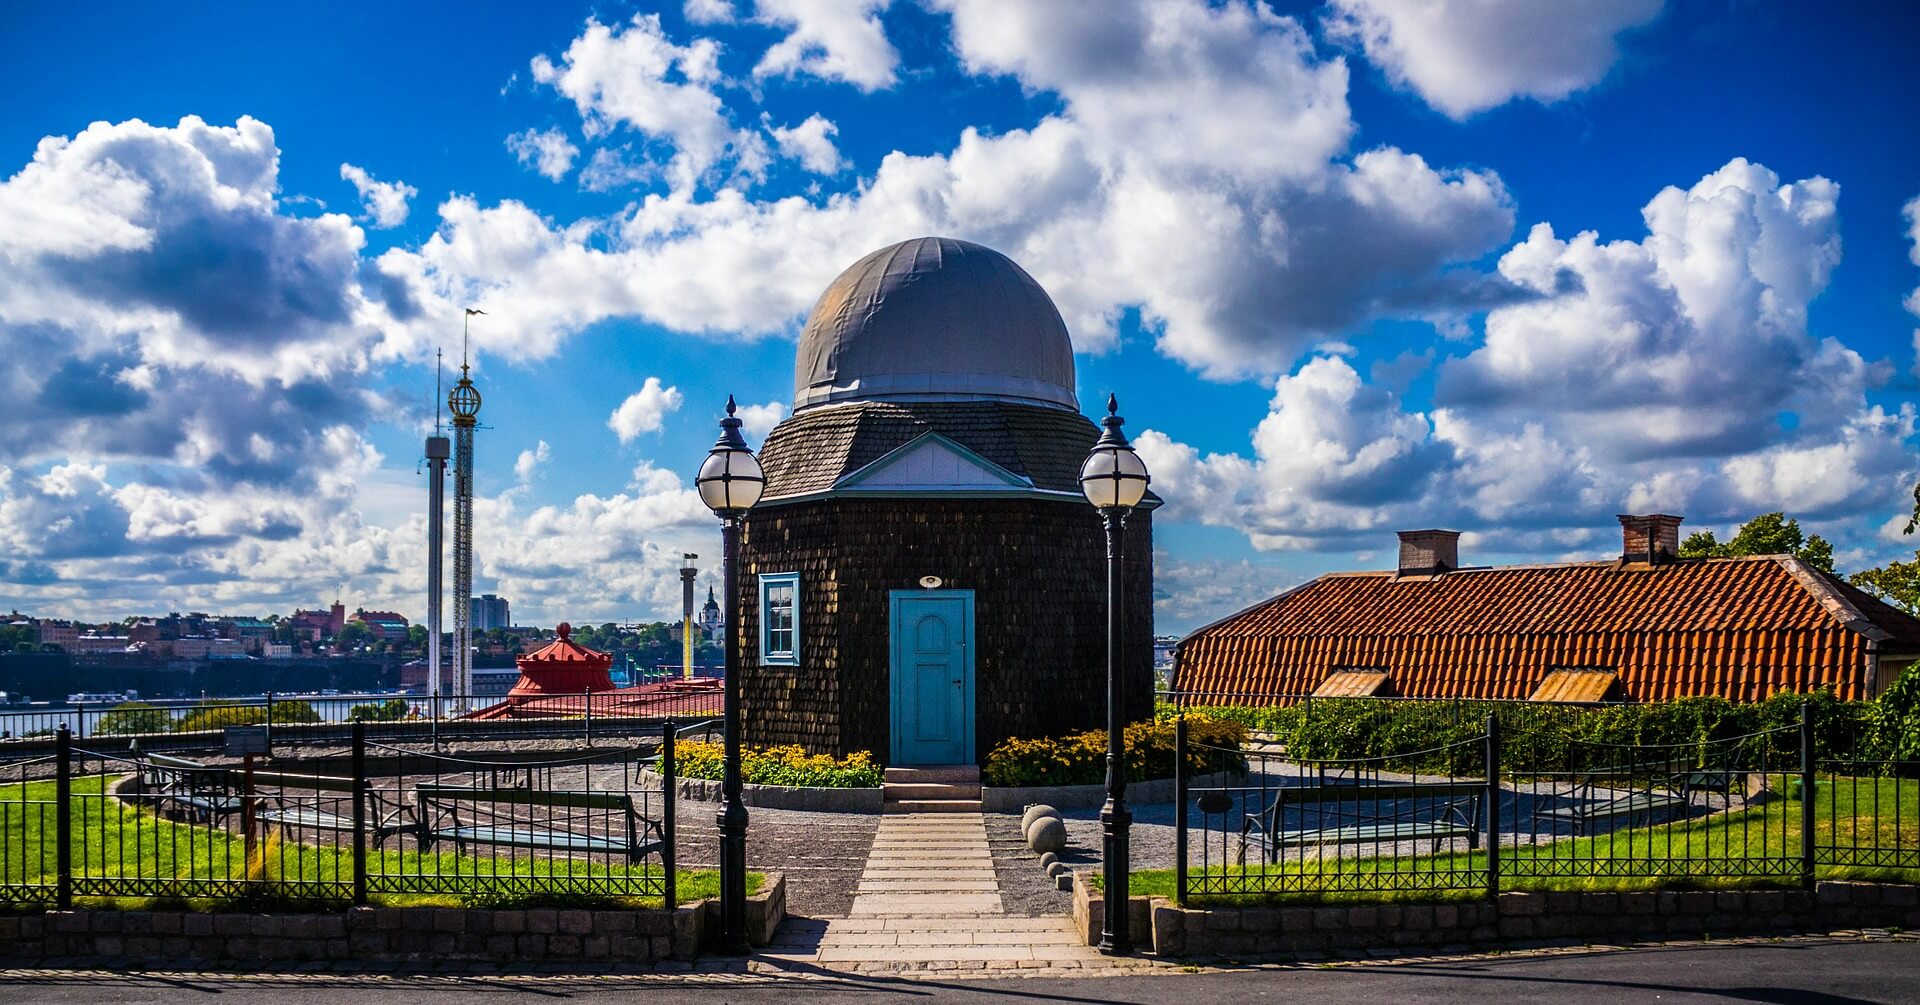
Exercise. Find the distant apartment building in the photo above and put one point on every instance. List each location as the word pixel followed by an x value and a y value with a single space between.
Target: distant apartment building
pixel 277 651
pixel 207 647
pixel 317 625
pixel 252 633
pixel 385 625
pixel 92 643
pixel 488 612
pixel 60 633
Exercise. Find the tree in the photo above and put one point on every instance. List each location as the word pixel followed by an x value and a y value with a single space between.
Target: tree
pixel 417 636
pixel 1766 534
pixel 134 717
pixel 1897 583
pixel 355 635
pixel 391 710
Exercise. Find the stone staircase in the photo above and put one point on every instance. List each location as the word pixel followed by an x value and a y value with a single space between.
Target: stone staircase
pixel 954 789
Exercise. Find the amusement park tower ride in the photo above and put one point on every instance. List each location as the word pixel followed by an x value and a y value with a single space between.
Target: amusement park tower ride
pixel 464 402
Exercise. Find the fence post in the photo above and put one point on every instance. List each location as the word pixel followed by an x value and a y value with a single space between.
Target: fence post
pixel 669 789
pixel 270 723
pixel 359 812
pixel 1180 810
pixel 1493 805
pixel 1807 773
pixel 63 819
pixel 589 717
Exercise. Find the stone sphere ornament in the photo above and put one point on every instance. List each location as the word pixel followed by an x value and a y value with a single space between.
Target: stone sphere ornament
pixel 1047 834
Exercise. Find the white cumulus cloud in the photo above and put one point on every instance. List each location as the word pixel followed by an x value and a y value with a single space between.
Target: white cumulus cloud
pixel 635 77
pixel 385 202
pixel 831 39
pixel 1466 56
pixel 810 143
pixel 644 410
pixel 547 151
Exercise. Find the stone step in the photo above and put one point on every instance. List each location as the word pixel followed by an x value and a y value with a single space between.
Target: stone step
pixel 893 792
pixel 944 774
pixel 933 806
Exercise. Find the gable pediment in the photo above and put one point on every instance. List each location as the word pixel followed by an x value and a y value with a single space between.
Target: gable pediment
pixel 932 463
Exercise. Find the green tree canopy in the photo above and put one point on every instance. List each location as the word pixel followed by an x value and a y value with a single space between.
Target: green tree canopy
pixel 1766 534
pixel 1897 583
pixel 134 717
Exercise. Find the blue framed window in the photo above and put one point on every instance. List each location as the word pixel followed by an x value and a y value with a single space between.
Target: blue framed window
pixel 780 619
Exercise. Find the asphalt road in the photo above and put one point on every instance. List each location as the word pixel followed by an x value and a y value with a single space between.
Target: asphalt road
pixel 1811 971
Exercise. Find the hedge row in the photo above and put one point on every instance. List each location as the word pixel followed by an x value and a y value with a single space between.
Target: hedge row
pixel 1440 735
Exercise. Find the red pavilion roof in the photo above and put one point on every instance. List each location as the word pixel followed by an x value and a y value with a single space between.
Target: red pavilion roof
pixel 563 666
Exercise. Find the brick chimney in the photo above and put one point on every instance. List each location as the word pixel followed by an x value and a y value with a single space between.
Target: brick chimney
pixel 1425 552
pixel 1651 539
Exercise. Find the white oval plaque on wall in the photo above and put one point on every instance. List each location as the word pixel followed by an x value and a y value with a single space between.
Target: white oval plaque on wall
pixel 931 582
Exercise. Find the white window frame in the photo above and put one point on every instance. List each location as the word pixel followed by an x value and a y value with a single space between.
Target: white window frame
pixel 768 655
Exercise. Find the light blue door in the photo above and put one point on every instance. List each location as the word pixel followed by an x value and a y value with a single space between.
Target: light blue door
pixel 932 677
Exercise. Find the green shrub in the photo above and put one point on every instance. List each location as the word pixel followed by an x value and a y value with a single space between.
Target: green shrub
pixel 133 717
pixel 1081 759
pixel 220 715
pixel 391 710
pixel 785 765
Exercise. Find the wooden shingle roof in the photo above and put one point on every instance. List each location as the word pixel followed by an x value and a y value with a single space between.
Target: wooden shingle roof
pixel 810 451
pixel 1741 628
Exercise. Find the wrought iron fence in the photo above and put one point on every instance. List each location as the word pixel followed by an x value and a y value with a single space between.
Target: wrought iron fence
pixel 1864 810
pixel 391 821
pixel 1701 812
pixel 1533 808
pixel 1262 824
pixel 27 733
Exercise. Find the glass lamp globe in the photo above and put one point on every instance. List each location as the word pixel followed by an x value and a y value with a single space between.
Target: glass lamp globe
pixel 730 480
pixel 1113 476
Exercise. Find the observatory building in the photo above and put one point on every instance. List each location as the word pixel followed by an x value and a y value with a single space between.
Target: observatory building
pixel 923 577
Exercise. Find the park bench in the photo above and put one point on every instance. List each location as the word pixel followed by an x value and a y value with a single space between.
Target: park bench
pixel 479 815
pixel 192 788
pixel 1368 814
pixel 288 810
pixel 1643 794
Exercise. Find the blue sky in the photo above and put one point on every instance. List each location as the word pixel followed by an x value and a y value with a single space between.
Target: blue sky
pixel 1303 242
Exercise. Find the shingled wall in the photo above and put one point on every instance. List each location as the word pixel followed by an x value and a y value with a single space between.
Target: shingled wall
pixel 1038 571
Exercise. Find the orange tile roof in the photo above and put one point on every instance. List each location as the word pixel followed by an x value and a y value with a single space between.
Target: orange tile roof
pixel 1741 628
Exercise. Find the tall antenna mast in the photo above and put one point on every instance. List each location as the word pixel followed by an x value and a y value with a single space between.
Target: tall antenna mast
pixel 439 403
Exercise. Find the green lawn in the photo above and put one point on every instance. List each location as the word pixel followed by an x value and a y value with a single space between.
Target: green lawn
pixel 1864 813
pixel 112 839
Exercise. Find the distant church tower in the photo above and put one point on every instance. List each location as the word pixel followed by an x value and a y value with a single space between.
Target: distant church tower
pixel 464 402
pixel 710 617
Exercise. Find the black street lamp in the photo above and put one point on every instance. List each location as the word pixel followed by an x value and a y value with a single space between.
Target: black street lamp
pixel 1114 481
pixel 730 482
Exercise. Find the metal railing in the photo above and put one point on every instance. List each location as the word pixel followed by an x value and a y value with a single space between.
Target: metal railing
pixel 1525 809
pixel 323 720
pixel 396 823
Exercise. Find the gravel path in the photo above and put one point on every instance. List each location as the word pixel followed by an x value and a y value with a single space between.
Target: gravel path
pixel 823 854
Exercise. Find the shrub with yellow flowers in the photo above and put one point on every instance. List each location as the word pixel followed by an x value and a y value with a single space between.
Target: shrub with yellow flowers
pixel 781 765
pixel 1081 759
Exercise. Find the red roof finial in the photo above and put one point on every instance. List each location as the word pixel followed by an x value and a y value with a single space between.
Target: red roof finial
pixel 564 629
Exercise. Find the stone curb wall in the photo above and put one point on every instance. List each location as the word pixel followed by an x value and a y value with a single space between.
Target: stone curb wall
pixel 381 934
pixel 1514 918
pixel 776 797
pixel 1013 799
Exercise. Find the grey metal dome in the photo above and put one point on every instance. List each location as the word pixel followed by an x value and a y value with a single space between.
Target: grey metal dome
pixel 934 319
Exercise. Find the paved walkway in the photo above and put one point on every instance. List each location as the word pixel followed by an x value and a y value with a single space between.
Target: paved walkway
pixel 929 901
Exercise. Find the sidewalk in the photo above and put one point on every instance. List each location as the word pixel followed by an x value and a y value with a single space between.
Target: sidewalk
pixel 929 903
